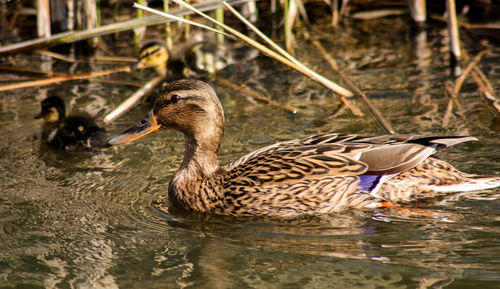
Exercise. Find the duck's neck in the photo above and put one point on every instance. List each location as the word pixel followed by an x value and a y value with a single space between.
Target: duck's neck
pixel 192 184
pixel 200 157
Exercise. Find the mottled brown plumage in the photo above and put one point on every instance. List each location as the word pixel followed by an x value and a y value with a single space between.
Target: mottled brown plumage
pixel 313 175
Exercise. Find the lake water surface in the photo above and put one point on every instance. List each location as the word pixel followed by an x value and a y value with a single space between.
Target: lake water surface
pixel 97 220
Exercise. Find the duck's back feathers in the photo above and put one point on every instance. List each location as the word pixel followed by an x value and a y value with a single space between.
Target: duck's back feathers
pixel 397 168
pixel 386 154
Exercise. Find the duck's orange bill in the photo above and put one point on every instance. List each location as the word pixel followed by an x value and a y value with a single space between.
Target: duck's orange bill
pixel 144 127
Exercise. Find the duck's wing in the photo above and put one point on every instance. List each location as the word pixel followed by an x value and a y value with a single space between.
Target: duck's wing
pixel 325 173
pixel 338 155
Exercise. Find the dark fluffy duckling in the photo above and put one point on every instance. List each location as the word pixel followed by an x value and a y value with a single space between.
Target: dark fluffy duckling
pixel 317 174
pixel 63 132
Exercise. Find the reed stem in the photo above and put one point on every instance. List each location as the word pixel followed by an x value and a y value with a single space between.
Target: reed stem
pixel 133 99
pixel 453 30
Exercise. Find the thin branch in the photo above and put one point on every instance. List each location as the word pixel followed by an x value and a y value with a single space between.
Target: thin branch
pixel 373 110
pixel 460 80
pixel 27 70
pixel 61 78
pixel 134 98
pixel 173 17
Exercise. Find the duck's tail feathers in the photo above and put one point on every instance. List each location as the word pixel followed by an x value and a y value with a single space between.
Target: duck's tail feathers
pixel 471 183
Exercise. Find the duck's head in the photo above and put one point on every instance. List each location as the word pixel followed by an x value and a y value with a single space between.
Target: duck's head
pixel 188 105
pixel 53 109
pixel 153 54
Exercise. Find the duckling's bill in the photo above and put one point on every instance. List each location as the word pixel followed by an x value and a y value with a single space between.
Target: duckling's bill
pixel 144 127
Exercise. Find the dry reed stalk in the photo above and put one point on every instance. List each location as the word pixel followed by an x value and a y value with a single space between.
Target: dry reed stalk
pixel 485 82
pixel 244 89
pixel 104 48
pixel 447 113
pixel 454 97
pixel 72 36
pixel 62 78
pixel 91 18
pixel 357 91
pixel 418 11
pixel 100 59
pixel 219 16
pixel 115 59
pixel 168 29
pixel 43 18
pixel 290 13
pixel 466 24
pixel 453 100
pixel 460 80
pixel 482 81
pixel 133 99
pixel 27 70
pixel 118 82
pixel 295 64
pixel 58 56
pixel 488 96
pixel 333 64
pixel 283 56
pixel 492 102
pixel 15 14
pixel 253 12
pixel 20 78
pixel 173 17
pixel 187 28
pixel 453 29
pixel 140 31
pixel 343 8
pixel 334 4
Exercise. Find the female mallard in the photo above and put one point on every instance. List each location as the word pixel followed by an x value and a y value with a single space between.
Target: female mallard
pixel 312 175
pixel 63 132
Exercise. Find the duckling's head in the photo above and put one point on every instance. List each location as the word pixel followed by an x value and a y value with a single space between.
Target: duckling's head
pixel 153 54
pixel 53 109
pixel 188 105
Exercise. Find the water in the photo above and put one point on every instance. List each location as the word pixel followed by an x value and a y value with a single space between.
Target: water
pixel 84 220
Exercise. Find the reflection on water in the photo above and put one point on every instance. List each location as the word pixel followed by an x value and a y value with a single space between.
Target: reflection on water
pixel 95 220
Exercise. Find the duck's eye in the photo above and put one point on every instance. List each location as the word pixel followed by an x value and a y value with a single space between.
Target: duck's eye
pixel 175 98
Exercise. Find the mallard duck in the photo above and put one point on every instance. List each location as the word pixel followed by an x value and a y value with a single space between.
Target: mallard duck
pixel 317 174
pixel 63 132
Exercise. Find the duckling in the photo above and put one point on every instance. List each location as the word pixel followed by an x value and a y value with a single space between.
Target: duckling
pixel 63 132
pixel 205 58
pixel 199 59
pixel 153 54
pixel 319 174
